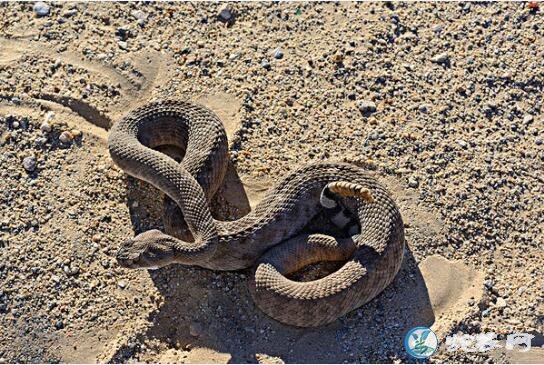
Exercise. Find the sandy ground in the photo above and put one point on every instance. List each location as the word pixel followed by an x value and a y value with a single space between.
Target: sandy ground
pixel 442 101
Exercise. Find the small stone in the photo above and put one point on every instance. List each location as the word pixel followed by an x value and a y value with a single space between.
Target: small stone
pixel 76 133
pixel 423 108
pixel 462 143
pixel 45 127
pixel 66 137
pixel 139 15
pixel 527 119
pixel 265 64
pixel 196 329
pixel 413 182
pixel 123 45
pixel 539 141
pixel 40 142
pixel 367 106
pixel 29 163
pixel 226 14
pixel 41 9
pixel 59 325
pixel 338 58
pixel 96 238
pixel 3 360
pixel 122 284
pixel 441 58
pixel 500 303
pixel 15 125
pixel 278 53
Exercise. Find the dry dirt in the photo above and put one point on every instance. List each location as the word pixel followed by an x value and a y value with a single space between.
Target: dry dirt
pixel 442 100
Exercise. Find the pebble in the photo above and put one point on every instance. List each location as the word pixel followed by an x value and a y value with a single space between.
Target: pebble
pixel 462 143
pixel 226 14
pixel 441 58
pixel 45 127
pixel 196 329
pixel 29 163
pixel 41 8
pixel 122 45
pixel 501 303
pixel 423 108
pixel 122 284
pixel 40 142
pixel 527 119
pixel 278 53
pixel 66 137
pixel 367 106
pixel 76 133
pixel 413 182
pixel 139 15
pixel 265 64
pixel 3 360
pixel 338 58
pixel 59 325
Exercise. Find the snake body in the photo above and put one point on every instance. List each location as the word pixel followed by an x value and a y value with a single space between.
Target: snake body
pixel 271 238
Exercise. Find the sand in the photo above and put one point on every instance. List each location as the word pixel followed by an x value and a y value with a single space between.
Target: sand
pixel 442 101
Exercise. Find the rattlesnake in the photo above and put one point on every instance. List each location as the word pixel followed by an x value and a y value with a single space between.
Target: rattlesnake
pixel 271 237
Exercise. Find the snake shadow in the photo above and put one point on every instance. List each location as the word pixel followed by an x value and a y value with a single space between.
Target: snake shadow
pixel 203 309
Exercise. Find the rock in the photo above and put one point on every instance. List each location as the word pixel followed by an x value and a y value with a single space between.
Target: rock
pixel 462 143
pixel 59 325
pixel 40 142
pixel 41 9
pixel 366 106
pixel 338 58
pixel 500 303
pixel 527 119
pixel 122 284
pixel 278 53
pixel 265 64
pixel 423 108
pixel 226 14
pixel 196 329
pixel 76 133
pixel 441 58
pixel 123 45
pixel 139 15
pixel 66 137
pixel 29 163
pixel 45 127
pixel 413 182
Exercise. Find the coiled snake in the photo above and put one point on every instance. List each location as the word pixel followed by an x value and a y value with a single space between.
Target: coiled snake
pixel 271 237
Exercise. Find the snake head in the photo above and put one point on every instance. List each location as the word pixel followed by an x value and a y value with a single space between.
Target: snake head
pixel 149 250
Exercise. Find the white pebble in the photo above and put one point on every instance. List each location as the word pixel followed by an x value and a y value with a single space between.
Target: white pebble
pixel 45 127
pixel 41 8
pixel 441 58
pixel 29 163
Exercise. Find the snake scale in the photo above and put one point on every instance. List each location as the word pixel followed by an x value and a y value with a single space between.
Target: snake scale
pixel 271 238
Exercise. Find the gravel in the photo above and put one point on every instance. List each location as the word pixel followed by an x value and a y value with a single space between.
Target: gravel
pixel 352 84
